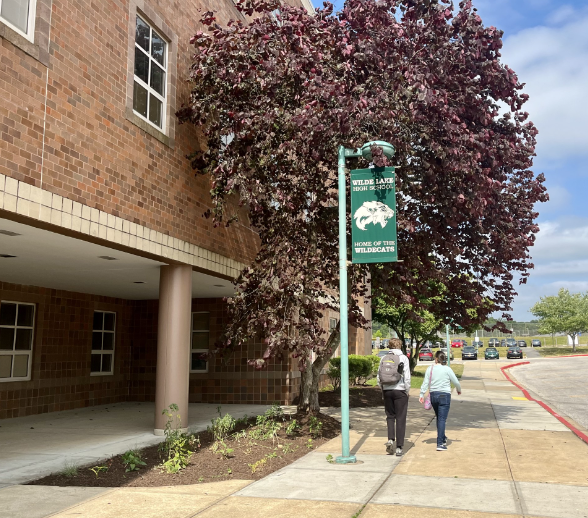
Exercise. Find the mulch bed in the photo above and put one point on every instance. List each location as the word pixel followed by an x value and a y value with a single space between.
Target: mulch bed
pixel 358 397
pixel 205 465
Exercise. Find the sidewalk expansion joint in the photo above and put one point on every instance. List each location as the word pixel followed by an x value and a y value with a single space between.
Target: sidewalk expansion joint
pixel 517 494
pixel 376 491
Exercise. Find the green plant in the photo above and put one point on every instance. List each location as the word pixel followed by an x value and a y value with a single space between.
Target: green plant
pixel 229 471
pixel 360 369
pixel 269 423
pixel 315 427
pixel 292 428
pixel 200 479
pixel 309 444
pixel 222 448
pixel 330 459
pixel 178 446
pixel 131 460
pixel 287 449
pixel 257 465
pixel 222 426
pixel 99 469
pixel 271 455
pixel 69 470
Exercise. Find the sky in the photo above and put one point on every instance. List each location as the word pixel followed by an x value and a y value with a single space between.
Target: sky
pixel 546 44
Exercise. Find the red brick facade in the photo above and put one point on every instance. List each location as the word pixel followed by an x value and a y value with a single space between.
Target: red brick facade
pixel 61 379
pixel 67 129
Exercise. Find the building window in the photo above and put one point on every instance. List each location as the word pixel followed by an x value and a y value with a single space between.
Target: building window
pixel 16 340
pixel 103 342
pixel 200 337
pixel 333 325
pixel 19 15
pixel 149 88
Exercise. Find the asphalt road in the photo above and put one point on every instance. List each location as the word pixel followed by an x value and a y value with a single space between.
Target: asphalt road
pixel 559 382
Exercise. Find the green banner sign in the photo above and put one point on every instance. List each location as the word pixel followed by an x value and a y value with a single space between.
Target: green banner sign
pixel 373 215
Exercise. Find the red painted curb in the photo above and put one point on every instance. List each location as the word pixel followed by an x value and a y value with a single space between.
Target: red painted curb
pixel 581 435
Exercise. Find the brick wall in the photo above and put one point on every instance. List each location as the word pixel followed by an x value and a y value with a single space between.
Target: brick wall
pixel 61 379
pixel 65 127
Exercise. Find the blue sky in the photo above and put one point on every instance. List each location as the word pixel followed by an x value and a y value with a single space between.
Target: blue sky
pixel 546 43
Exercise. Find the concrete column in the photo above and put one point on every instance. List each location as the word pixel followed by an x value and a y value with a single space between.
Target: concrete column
pixel 173 342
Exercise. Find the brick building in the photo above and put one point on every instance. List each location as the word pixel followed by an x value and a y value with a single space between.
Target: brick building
pixel 107 268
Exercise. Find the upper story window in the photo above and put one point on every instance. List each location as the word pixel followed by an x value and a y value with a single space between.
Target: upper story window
pixel 20 16
pixel 16 340
pixel 149 89
pixel 103 334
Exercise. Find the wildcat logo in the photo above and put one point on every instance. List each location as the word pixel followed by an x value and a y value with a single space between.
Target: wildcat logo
pixel 374 212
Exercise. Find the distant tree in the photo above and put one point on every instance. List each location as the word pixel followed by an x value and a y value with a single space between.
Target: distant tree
pixel 276 96
pixel 378 334
pixel 418 325
pixel 565 313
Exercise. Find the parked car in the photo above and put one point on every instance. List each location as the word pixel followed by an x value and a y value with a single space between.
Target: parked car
pixel 535 343
pixel 511 342
pixel 493 342
pixel 464 342
pixel 514 352
pixel 437 344
pixel 521 343
pixel 491 353
pixel 469 353
pixel 444 350
pixel 478 344
pixel 503 342
pixel 425 355
pixel 456 343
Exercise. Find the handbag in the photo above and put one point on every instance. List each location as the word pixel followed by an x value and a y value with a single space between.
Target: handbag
pixel 427 404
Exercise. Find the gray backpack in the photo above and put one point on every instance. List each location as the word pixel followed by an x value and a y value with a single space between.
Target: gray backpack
pixel 390 370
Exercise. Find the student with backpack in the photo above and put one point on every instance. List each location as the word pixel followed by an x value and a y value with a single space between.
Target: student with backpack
pixel 394 379
pixel 438 380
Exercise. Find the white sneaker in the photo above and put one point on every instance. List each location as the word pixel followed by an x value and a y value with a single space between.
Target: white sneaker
pixel 390 447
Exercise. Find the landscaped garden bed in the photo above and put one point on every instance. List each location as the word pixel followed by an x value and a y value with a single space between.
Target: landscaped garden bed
pixel 246 449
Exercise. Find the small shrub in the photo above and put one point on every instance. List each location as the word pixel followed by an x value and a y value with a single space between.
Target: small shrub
pixel 69 470
pixel 222 426
pixel 178 446
pixel 292 428
pixel 132 460
pixel 269 423
pixel 360 370
pixel 309 444
pixel 222 448
pixel 330 459
pixel 257 465
pixel 315 427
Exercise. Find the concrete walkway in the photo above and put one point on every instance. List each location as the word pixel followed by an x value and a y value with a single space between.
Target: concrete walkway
pixel 507 457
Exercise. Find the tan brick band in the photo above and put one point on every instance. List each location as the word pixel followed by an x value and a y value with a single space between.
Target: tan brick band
pixel 46 208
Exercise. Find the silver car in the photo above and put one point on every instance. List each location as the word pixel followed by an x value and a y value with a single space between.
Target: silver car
pixel 444 350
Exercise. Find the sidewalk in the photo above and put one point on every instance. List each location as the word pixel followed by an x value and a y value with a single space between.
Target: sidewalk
pixel 507 457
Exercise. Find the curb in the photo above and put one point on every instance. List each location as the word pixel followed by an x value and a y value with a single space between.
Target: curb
pixel 581 435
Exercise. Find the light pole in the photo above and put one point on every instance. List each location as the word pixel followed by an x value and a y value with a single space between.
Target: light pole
pixel 344 153
pixel 448 345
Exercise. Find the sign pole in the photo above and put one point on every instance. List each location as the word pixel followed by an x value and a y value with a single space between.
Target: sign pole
pixel 346 457
pixel 448 345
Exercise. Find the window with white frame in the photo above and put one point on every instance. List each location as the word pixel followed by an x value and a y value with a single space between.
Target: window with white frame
pixel 333 325
pixel 16 340
pixel 200 337
pixel 19 15
pixel 149 88
pixel 103 331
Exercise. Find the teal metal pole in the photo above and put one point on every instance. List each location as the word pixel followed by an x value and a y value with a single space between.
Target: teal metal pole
pixel 448 345
pixel 346 457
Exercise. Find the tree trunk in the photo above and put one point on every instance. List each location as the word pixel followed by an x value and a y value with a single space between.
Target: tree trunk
pixel 308 400
pixel 573 343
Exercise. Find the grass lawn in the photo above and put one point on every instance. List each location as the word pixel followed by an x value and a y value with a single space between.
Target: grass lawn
pixel 419 374
pixel 561 351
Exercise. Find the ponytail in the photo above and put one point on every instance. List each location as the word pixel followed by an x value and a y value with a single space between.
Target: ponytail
pixel 441 357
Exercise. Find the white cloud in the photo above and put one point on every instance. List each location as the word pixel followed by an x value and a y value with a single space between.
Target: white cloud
pixel 553 62
pixel 563 240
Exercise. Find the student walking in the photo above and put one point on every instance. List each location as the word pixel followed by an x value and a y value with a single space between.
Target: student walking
pixel 438 379
pixel 394 378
